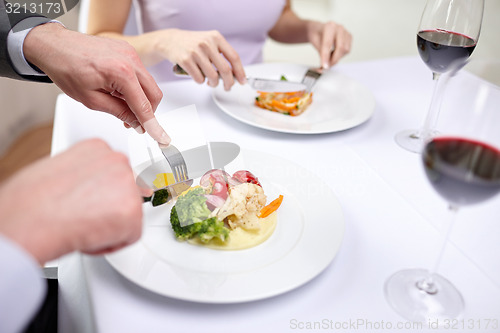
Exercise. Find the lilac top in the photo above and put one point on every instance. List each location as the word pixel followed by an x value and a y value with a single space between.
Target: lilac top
pixel 244 23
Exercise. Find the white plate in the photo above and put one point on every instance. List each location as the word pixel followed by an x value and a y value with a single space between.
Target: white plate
pixel 307 237
pixel 339 102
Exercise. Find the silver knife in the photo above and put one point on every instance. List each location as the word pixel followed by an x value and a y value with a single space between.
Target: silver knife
pixel 260 84
pixel 167 193
pixel 198 159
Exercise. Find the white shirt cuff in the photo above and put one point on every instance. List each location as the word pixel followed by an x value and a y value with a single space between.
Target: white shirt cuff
pixel 22 287
pixel 15 42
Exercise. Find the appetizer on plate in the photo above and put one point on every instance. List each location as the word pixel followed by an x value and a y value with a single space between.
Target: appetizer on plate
pixel 225 212
pixel 289 103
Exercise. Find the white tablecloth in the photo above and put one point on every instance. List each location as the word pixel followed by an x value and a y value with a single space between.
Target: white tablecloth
pixel 392 220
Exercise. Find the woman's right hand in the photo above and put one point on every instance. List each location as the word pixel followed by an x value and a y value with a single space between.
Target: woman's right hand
pixel 202 54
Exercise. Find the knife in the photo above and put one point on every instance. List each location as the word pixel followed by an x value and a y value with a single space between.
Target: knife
pixel 198 159
pixel 198 162
pixel 167 193
pixel 260 84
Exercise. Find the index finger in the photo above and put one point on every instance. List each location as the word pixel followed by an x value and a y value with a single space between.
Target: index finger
pixel 344 45
pixel 151 89
pixel 234 59
pixel 327 46
pixel 137 100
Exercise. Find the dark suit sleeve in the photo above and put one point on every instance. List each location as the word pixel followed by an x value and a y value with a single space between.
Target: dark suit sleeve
pixel 7 21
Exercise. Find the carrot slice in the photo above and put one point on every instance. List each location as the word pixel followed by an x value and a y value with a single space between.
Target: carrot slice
pixel 291 100
pixel 274 205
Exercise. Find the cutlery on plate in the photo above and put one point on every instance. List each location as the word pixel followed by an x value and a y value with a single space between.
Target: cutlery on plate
pixel 180 173
pixel 216 155
pixel 169 192
pixel 176 162
pixel 197 161
pixel 313 74
pixel 311 77
pixel 260 84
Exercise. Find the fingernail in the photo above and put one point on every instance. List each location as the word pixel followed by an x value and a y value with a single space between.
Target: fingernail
pixel 139 129
pixel 137 126
pixel 325 65
pixel 156 131
pixel 165 139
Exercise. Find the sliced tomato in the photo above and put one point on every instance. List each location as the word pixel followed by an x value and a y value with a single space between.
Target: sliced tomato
pixel 218 180
pixel 219 188
pixel 245 176
pixel 217 174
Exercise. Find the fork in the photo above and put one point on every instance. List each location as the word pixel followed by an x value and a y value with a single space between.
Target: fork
pixel 176 162
pixel 310 78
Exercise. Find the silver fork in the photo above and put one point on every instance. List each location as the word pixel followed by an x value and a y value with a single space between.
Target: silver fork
pixel 312 75
pixel 176 162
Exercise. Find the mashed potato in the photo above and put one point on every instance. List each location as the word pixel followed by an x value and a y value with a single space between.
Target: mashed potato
pixel 240 238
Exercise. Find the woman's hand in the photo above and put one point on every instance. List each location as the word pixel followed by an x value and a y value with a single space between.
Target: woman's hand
pixel 331 40
pixel 202 54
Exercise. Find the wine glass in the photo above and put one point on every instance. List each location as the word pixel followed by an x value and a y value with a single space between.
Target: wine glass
pixel 447 35
pixel 462 163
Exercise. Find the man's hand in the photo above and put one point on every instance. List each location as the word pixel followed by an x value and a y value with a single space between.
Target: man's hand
pixel 104 74
pixel 84 199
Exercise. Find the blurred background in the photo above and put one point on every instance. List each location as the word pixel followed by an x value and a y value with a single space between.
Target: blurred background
pixel 380 29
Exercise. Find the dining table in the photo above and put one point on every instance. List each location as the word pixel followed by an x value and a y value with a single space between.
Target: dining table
pixel 392 219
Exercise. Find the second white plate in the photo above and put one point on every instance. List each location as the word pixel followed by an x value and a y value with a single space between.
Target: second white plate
pixel 339 102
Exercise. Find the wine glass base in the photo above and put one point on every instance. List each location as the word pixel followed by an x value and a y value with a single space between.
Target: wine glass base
pixel 410 140
pixel 404 295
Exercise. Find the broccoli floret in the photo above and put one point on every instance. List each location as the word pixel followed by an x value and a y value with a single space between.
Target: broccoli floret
pixel 191 209
pixel 212 228
pixel 181 233
pixel 205 230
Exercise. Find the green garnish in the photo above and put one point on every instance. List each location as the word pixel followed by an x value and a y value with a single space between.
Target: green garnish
pixel 192 209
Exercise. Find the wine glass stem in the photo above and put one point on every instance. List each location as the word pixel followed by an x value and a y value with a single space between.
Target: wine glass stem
pixel 435 106
pixel 427 284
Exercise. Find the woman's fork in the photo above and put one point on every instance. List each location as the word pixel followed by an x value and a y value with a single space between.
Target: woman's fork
pixel 312 75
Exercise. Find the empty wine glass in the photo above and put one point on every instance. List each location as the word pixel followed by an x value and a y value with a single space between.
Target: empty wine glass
pixel 447 35
pixel 462 162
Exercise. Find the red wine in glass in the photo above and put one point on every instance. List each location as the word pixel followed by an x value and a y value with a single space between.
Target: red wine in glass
pixel 439 49
pixel 462 171
pixel 446 37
